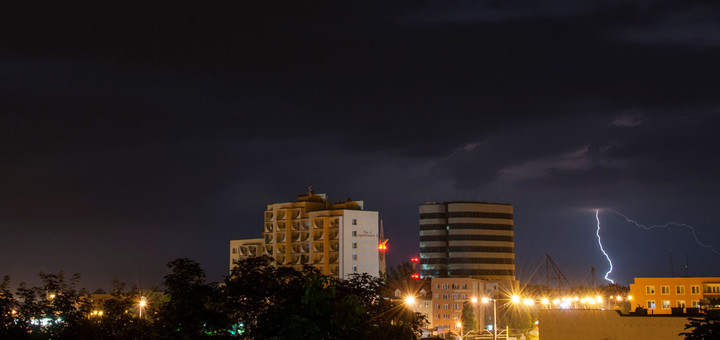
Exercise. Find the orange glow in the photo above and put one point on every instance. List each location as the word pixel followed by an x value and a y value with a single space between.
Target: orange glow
pixel 383 245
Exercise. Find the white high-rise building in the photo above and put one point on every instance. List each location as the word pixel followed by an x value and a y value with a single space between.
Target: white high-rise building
pixel 338 239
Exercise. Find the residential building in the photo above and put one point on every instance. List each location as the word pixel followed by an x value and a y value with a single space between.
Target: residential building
pixel 338 239
pixel 660 294
pixel 467 239
pixel 448 297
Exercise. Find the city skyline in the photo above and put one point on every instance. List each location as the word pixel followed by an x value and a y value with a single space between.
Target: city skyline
pixel 133 136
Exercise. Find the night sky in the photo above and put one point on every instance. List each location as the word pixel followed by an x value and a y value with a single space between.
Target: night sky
pixel 134 135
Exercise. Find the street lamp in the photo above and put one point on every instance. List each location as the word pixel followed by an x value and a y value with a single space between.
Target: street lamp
pixel 142 304
pixel 409 301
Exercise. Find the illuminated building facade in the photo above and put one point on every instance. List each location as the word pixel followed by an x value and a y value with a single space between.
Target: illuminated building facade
pixel 338 239
pixel 448 297
pixel 661 294
pixel 467 239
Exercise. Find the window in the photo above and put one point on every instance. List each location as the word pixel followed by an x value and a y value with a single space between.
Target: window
pixel 437 296
pixel 455 286
pixel 456 306
pixel 651 304
pixel 445 286
pixel 437 306
pixel 680 290
pixel 439 317
pixel 354 221
pixel 464 286
pixel 446 306
pixel 455 296
pixel 696 304
pixel 354 257
pixel 234 261
pixel 695 290
pixel 447 316
pixel 234 250
pixel 463 296
pixel 664 290
pixel 427 304
pixel 354 244
pixel 446 296
pixel 355 269
pixel 455 316
pixel 681 303
pixel 650 290
pixel 666 304
pixel 437 286
pixel 354 233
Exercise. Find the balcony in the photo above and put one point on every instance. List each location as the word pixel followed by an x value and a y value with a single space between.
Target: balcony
pixel 269 250
pixel 318 235
pixel 281 226
pixel 334 246
pixel 269 216
pixel 268 227
pixel 304 236
pixel 318 258
pixel 318 223
pixel 334 270
pixel 269 238
pixel 318 246
pixel 333 234
pixel 335 222
pixel 281 214
pixel 280 259
pixel 281 238
pixel 281 249
pixel 295 237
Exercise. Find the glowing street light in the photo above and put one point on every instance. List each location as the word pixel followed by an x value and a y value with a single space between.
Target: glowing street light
pixel 528 302
pixel 515 299
pixel 142 304
pixel 409 300
pixel 545 301
pixel 473 299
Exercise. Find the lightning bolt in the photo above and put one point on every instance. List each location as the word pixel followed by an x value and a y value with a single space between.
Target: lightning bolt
pixel 597 217
pixel 677 224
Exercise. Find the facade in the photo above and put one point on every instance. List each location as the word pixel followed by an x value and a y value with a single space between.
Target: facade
pixel 241 249
pixel 467 239
pixel 660 294
pixel 338 239
pixel 563 324
pixel 448 297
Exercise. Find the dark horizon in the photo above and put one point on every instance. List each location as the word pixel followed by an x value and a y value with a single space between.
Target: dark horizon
pixel 132 136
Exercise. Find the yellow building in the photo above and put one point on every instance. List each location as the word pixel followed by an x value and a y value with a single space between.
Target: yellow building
pixel 448 297
pixel 660 294
pixel 339 239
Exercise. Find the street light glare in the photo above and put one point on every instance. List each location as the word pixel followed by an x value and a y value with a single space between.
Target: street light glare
pixel 528 302
pixel 545 301
pixel 485 300
pixel 410 300
pixel 515 299
pixel 473 299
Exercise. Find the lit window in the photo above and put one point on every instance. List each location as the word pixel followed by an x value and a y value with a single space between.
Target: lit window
pixel 455 296
pixel 650 290
pixel 696 304
pixel 456 306
pixel 666 304
pixel 445 286
pixel 463 296
pixel 464 286
pixel 651 304
pixel 695 290
pixel 681 303
pixel 664 290
pixel 446 306
pixel 680 290
pixel 446 296
pixel 437 306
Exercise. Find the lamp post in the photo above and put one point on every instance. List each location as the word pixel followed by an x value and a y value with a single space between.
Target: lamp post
pixel 515 299
pixel 462 335
pixel 142 304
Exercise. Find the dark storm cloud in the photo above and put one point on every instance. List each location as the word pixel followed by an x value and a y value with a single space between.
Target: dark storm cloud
pixel 180 123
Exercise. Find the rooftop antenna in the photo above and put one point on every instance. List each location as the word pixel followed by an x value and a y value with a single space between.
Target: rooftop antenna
pixel 686 264
pixel 558 275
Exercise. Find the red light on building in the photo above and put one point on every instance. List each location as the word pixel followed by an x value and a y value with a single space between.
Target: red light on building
pixel 415 259
pixel 415 276
pixel 383 245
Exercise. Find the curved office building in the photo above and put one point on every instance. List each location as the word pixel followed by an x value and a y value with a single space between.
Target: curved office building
pixel 467 239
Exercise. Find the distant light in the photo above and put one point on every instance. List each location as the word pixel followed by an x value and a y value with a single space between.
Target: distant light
pixel 415 259
pixel 515 299
pixel 473 299
pixel 52 296
pixel 485 300
pixel 598 299
pixel 556 301
pixel 629 297
pixel 545 301
pixel 415 276
pixel 459 325
pixel 619 298
pixel 528 302
pixel 565 305
pixel 576 298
